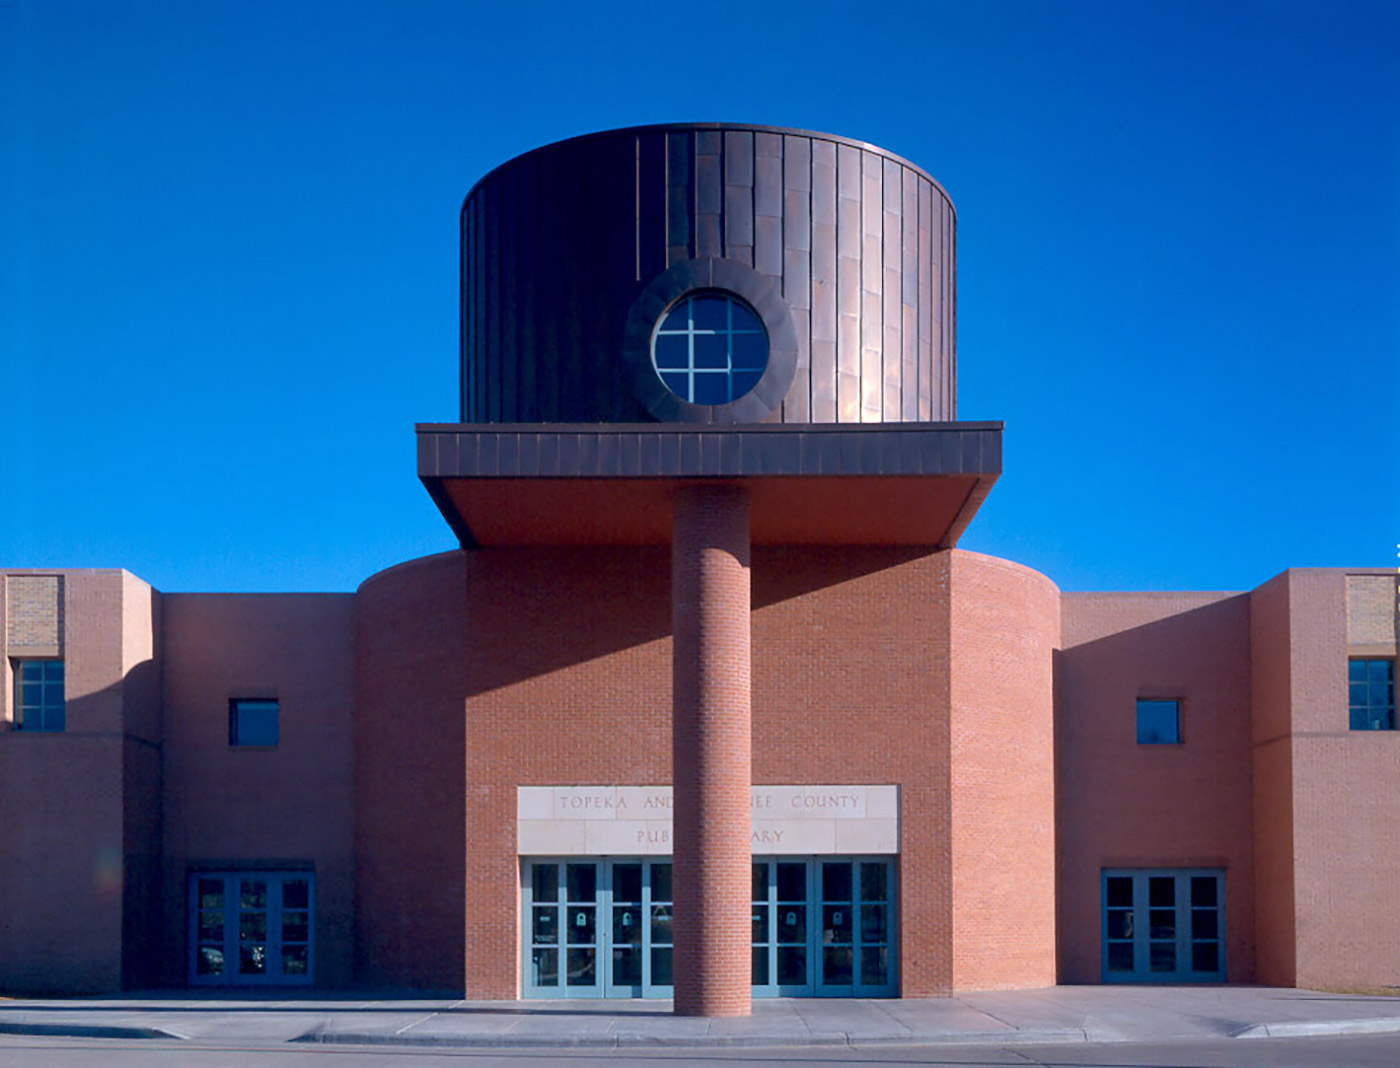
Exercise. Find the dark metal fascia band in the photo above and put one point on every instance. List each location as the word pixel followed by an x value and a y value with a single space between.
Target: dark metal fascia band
pixel 478 450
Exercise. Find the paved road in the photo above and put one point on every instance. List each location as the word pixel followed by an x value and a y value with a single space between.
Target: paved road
pixel 1359 1051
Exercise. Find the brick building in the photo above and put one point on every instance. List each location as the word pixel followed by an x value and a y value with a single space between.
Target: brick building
pixel 708 705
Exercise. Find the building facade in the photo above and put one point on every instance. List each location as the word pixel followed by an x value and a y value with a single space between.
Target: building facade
pixel 708 704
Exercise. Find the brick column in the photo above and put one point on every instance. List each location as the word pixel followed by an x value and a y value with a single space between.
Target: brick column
pixel 710 744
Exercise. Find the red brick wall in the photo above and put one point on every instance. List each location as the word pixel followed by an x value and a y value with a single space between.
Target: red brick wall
pixel 74 868
pixel 567 674
pixel 1346 804
pixel 230 807
pixel 568 681
pixel 1122 805
pixel 1272 766
pixel 409 781
pixel 851 686
pixel 1005 627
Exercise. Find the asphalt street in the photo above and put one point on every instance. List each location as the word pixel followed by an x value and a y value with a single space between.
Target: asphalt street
pixel 1353 1051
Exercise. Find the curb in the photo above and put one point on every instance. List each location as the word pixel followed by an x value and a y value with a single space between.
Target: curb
pixel 833 1040
pixel 58 1030
pixel 1384 1025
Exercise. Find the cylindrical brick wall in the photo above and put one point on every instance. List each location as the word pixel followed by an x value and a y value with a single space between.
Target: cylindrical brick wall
pixel 711 750
pixel 413 925
pixel 1004 627
pixel 854 245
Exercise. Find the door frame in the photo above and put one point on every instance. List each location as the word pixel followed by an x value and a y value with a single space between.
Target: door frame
pixel 1184 924
pixel 605 986
pixel 276 880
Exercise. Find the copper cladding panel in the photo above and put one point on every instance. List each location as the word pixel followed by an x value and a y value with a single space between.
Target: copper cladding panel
pixel 557 244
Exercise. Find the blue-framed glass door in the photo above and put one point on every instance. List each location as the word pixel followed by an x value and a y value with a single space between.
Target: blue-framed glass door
pixel 251 928
pixel 660 950
pixel 1163 925
pixel 823 926
pixel 601 927
pixel 854 931
pixel 627 931
pixel 597 928
pixel 561 929
pixel 782 927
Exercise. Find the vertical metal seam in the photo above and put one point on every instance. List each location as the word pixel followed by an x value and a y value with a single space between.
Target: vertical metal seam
pixel 918 369
pixel 953 319
pixel 884 377
pixel 483 383
pixel 899 168
pixel 811 254
pixel 920 360
pixel 836 284
pixel 723 199
pixel 947 316
pixel 464 318
pixel 782 244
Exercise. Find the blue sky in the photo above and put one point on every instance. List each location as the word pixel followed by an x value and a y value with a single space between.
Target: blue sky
pixel 229 275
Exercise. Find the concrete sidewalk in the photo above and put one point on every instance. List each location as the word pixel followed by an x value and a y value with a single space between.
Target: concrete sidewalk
pixel 1052 1015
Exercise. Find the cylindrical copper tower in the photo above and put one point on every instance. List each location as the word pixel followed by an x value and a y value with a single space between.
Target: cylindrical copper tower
pixel 711 750
pixel 573 253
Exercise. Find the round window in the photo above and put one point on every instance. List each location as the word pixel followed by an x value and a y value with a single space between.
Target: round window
pixel 710 348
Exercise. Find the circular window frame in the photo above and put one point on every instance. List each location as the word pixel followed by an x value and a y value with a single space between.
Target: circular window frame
pixel 691 278
pixel 691 370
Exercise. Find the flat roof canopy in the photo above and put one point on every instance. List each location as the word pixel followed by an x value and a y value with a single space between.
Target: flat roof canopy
pixel 506 484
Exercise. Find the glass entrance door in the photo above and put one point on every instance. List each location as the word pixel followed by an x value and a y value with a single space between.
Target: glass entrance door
pixel 597 928
pixel 823 926
pixel 782 892
pixel 1163 926
pixel 639 931
pixel 629 922
pixel 601 927
pixel 251 928
pixel 562 911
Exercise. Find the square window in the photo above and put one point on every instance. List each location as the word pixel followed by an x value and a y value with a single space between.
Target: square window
pixel 39 700
pixel 1371 694
pixel 1158 722
pixel 252 721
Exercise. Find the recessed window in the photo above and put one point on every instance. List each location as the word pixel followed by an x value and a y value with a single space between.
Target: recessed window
pixel 252 928
pixel 39 695
pixel 1158 722
pixel 252 721
pixel 711 348
pixel 1163 926
pixel 1371 694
